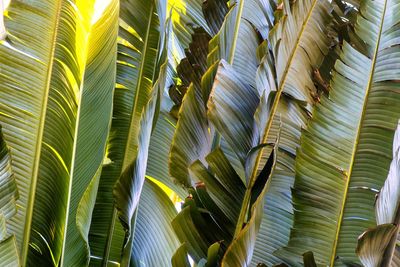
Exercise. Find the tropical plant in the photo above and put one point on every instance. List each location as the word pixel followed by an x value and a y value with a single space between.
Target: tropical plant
pixel 199 133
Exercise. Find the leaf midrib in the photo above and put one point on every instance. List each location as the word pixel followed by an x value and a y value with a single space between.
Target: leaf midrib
pixel 88 34
pixel 369 85
pixel 35 171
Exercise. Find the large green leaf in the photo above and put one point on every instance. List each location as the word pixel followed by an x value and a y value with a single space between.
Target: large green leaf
pixel 139 38
pixel 155 241
pixel 387 211
pixel 226 188
pixel 291 116
pixel 281 81
pixel 237 40
pixel 92 133
pixel 287 72
pixel 238 104
pixel 47 95
pixel 211 214
pixel 387 202
pixel 192 129
pixel 192 139
pixel 343 158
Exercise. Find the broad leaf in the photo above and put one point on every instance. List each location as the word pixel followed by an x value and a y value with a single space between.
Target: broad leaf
pixel 242 52
pixel 313 17
pixel 47 93
pixel 340 166
pixel 92 132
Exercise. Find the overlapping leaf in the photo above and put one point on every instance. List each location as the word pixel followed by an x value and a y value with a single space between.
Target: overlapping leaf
pixel 139 34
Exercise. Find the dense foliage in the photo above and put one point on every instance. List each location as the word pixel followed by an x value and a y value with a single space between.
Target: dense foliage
pixel 200 133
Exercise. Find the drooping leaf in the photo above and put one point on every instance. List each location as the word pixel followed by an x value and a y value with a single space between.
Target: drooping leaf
pixel 238 104
pixel 186 228
pixel 278 211
pixel 387 202
pixel 281 80
pixel 227 45
pixel 192 140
